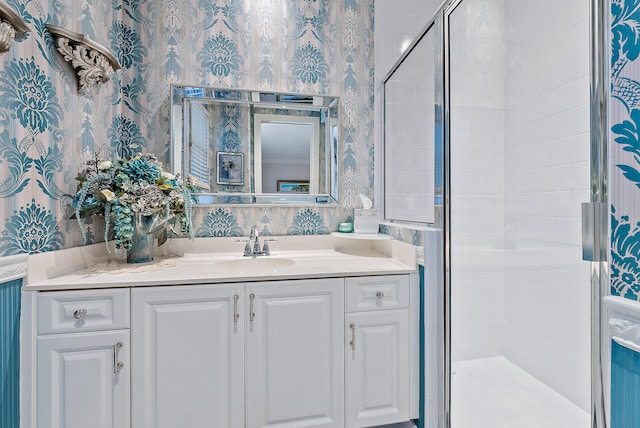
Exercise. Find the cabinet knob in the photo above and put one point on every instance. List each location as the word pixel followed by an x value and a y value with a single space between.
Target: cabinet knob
pixel 379 297
pixel 79 314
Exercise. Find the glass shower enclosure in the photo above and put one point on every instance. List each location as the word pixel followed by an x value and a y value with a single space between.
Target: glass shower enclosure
pixel 519 164
pixel 519 146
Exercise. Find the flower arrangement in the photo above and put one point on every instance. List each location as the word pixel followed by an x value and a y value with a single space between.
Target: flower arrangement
pixel 132 186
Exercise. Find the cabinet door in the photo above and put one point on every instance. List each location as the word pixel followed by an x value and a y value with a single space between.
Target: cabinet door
pixel 189 357
pixel 295 351
pixel 377 365
pixel 80 383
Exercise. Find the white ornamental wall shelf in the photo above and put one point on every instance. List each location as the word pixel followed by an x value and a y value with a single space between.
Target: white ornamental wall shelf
pixel 92 62
pixel 12 27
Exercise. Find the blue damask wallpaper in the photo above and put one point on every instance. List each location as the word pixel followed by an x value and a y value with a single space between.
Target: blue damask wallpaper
pixel 625 148
pixel 47 127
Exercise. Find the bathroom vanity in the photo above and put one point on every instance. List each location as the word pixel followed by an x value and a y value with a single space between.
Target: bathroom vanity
pixel 322 333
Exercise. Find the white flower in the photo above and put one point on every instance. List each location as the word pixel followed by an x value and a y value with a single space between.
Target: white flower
pixel 105 165
pixel 168 175
pixel 108 194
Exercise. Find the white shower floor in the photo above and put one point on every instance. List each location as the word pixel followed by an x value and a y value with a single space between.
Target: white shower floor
pixel 495 393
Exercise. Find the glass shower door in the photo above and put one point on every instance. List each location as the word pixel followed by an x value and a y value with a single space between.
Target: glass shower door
pixel 518 150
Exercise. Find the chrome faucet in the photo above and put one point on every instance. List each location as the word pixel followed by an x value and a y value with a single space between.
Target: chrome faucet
pixel 254 239
pixel 252 245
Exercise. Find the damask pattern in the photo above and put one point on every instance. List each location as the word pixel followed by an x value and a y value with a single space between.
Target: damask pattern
pixel 625 247
pixel 308 222
pixel 31 230
pixel 126 44
pixel 125 137
pixel 403 234
pixel 30 95
pixel 625 154
pixel 311 46
pixel 18 164
pixel 220 56
pixel 219 222
pixel 308 64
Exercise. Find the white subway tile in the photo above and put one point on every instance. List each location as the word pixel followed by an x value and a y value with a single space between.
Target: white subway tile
pixel 557 74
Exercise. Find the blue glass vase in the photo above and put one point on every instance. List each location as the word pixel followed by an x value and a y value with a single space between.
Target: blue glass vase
pixel 142 241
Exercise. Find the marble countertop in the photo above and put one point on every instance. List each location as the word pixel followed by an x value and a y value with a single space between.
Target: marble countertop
pixel 206 260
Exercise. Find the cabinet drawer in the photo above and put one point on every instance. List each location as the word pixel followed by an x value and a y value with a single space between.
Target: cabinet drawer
pixel 373 293
pixel 84 310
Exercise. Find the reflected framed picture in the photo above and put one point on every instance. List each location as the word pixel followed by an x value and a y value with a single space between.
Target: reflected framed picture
pixel 293 186
pixel 230 168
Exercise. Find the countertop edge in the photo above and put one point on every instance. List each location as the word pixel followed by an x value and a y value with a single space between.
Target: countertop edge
pixel 52 271
pixel 13 267
pixel 214 280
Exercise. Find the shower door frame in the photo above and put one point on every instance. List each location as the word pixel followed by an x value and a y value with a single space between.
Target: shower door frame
pixel 598 233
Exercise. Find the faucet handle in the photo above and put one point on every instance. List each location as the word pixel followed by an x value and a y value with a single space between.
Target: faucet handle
pixel 265 245
pixel 247 246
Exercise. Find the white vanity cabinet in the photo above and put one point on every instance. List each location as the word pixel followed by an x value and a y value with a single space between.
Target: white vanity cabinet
pixel 295 354
pixel 188 356
pixel 377 356
pixel 336 352
pixel 83 359
pixel 192 368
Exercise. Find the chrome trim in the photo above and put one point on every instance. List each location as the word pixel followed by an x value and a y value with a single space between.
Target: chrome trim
pixel 445 421
pixel 594 237
pixel 599 13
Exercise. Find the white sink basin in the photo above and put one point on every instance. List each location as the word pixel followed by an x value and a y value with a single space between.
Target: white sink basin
pixel 253 264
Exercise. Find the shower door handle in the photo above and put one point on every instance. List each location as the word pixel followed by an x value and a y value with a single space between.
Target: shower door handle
pixel 594 234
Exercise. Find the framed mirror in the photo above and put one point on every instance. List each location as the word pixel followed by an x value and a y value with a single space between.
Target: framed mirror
pixel 256 147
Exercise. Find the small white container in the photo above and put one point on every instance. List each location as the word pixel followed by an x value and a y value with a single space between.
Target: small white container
pixel 365 221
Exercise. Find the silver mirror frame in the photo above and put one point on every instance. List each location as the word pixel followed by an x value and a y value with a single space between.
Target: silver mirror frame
pixel 327 194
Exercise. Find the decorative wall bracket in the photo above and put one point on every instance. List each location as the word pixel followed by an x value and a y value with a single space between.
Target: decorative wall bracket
pixel 12 27
pixel 92 62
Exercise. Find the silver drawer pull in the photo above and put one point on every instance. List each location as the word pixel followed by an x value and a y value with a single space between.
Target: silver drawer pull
pixel 252 314
pixel 379 297
pixel 117 365
pixel 79 314
pixel 236 315
pixel 353 336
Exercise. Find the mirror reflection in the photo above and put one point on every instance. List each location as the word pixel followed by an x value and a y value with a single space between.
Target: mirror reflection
pixel 256 147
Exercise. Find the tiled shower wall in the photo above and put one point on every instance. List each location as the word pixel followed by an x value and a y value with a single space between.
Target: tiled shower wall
pixel 477 178
pixel 315 47
pixel 547 285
